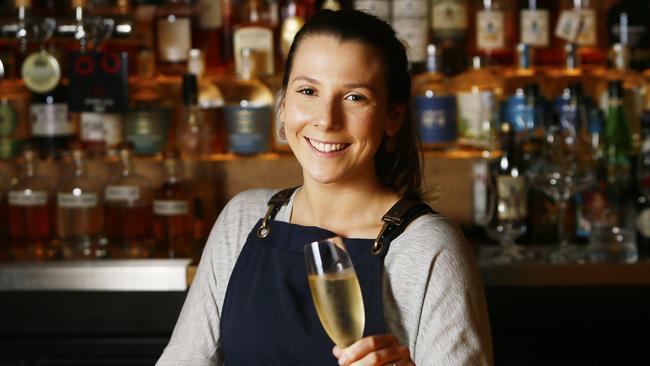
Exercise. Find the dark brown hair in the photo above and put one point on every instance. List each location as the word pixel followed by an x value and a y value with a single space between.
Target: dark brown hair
pixel 400 169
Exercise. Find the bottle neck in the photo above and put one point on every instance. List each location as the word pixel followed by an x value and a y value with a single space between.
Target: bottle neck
pixel 172 171
pixel 126 162
pixel 79 164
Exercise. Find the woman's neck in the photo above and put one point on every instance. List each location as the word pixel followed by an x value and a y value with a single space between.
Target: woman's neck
pixel 350 210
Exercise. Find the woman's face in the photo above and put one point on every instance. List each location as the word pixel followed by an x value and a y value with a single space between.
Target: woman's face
pixel 336 109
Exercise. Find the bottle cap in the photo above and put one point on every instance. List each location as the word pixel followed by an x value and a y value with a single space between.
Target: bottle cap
pixel 615 89
pixel 190 89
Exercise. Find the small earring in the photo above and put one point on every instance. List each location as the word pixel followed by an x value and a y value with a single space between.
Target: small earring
pixel 281 132
pixel 390 144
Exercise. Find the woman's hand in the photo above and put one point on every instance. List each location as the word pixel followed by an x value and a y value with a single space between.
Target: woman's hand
pixel 374 351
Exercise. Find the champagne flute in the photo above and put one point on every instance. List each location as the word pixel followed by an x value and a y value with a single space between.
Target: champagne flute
pixel 335 290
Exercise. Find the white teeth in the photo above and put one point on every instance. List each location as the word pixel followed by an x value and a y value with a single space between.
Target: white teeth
pixel 326 147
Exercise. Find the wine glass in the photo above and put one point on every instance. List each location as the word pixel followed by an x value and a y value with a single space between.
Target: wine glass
pixel 335 290
pixel 563 169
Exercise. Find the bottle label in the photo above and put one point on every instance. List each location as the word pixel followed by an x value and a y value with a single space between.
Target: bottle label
pixel 209 14
pixel 587 35
pixel 535 27
pixel 643 222
pixel 479 190
pixel 290 27
pixel 27 197
pixel 248 128
pixel 519 113
pixel 436 119
pixel 577 26
pixel 259 39
pixel 171 207
pixel 490 32
pixel 122 193
pixel 101 127
pixel 379 8
pixel 8 118
pixel 147 129
pixel 512 203
pixel 41 72
pixel 82 200
pixel 477 112
pixel 50 120
pixel 448 17
pixel 8 147
pixel 174 39
pixel 411 24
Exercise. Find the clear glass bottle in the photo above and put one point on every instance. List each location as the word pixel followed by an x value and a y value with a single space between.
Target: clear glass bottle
pixel 193 136
pixel 477 93
pixel 449 32
pixel 147 120
pixel 30 212
pixel 293 15
pixel 494 40
pixel 210 33
pixel 434 105
pixel 410 19
pixel 173 24
pixel 173 212
pixel 627 23
pixel 210 100
pixel 248 112
pixel 128 199
pixel 79 212
pixel 254 30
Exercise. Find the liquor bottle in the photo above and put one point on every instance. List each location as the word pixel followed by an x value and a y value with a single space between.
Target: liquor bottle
pixel 210 101
pixel 147 120
pixel 193 135
pixel 581 22
pixel 210 33
pixel 379 8
pixel 52 129
pixel 642 220
pixel 535 20
pixel 449 28
pixel 627 24
pixel 434 105
pixel 173 212
pixel 30 212
pixel 572 72
pixel 255 32
pixel 79 212
pixel 523 73
pixel 128 215
pixel 410 19
pixel 495 32
pixel 14 115
pixel 173 28
pixel 248 112
pixel 478 92
pixel 617 147
pixel 293 15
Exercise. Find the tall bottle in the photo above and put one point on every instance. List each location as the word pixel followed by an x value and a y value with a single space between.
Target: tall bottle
pixel 410 19
pixel 627 23
pixel 30 212
pixel 173 24
pixel 193 135
pixel 477 93
pixel 14 115
pixel 173 212
pixel 128 213
pixel 79 212
pixel 434 105
pixel 535 20
pixel 210 33
pixel 495 32
pixel 254 31
pixel 449 28
pixel 293 15
pixel 642 204
pixel 211 102
pixel 581 22
pixel 248 112
pixel 523 73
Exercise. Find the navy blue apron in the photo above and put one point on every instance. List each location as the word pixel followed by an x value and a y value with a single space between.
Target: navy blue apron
pixel 268 316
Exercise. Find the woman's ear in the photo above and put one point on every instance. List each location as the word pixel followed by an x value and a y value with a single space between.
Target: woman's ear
pixel 395 118
pixel 279 106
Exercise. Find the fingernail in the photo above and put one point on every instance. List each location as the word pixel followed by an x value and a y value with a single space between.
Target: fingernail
pixel 343 360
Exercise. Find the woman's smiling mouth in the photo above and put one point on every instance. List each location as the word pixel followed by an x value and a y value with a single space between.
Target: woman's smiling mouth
pixel 327 147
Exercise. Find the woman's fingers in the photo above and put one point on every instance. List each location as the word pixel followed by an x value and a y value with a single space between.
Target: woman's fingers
pixel 373 350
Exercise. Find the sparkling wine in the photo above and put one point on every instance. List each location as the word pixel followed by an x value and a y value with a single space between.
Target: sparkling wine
pixel 339 305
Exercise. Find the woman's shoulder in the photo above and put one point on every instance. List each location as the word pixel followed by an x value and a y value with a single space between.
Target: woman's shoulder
pixel 430 235
pixel 250 201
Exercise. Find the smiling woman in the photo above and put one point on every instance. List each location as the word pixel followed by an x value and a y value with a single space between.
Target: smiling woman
pixel 344 114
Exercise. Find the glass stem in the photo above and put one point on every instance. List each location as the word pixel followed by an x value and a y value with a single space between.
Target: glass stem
pixel 564 242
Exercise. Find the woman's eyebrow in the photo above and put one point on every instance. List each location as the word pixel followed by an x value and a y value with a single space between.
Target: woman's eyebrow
pixel 305 78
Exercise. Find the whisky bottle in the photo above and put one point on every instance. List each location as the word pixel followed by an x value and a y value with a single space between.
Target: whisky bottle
pixel 449 29
pixel 14 115
pixel 478 92
pixel 495 23
pixel 173 24
pixel 255 32
pixel 52 129
pixel 434 105
pixel 210 102
pixel 79 212
pixel 523 73
pixel 30 212
pixel 627 24
pixel 293 15
pixel 147 120
pixel 535 20
pixel 410 19
pixel 193 135
pixel 210 33
pixel 581 22
pixel 173 212
pixel 248 109
pixel 128 220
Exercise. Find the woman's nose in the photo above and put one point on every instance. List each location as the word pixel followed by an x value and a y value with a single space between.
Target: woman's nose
pixel 328 115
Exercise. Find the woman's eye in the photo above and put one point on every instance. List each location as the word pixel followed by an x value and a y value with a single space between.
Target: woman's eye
pixel 307 91
pixel 355 97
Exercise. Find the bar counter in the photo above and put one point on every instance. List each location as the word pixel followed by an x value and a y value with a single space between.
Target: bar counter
pixel 122 312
